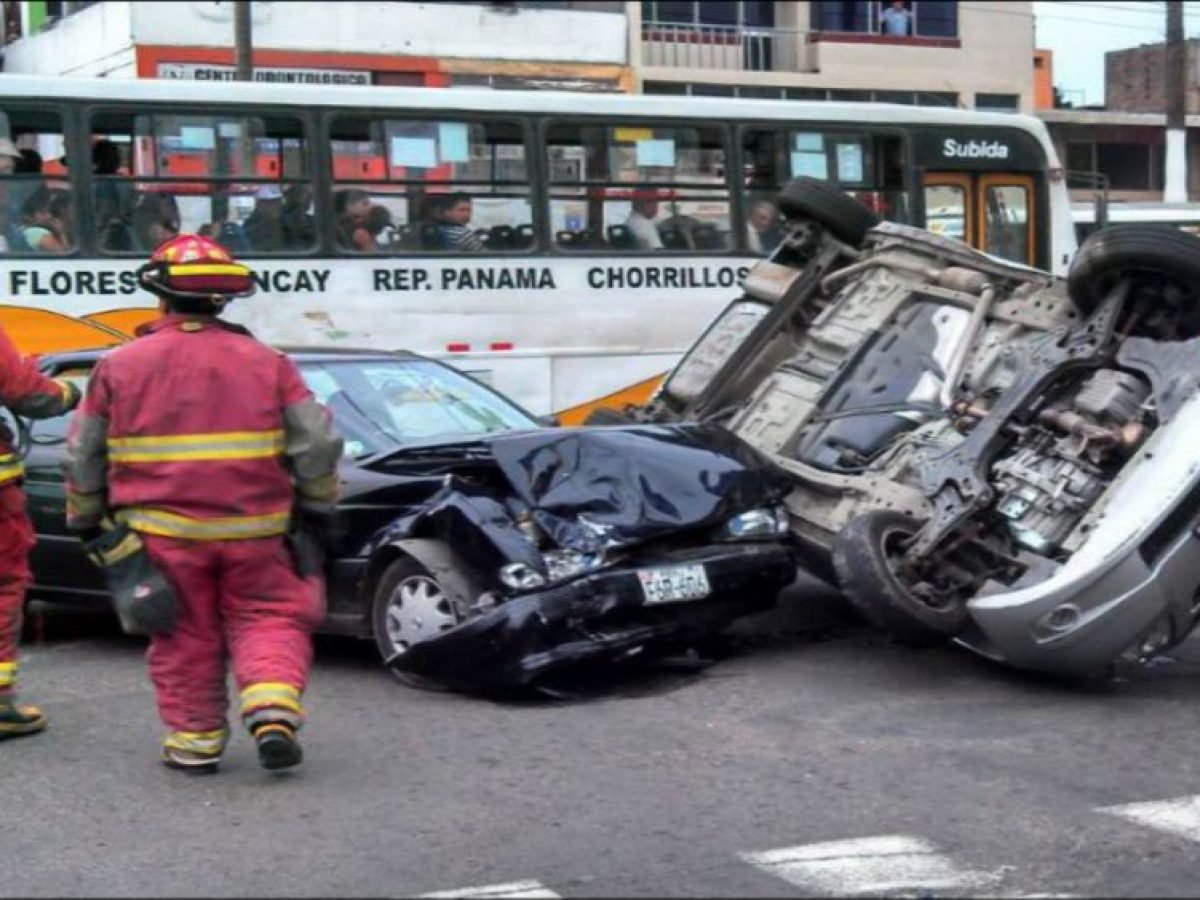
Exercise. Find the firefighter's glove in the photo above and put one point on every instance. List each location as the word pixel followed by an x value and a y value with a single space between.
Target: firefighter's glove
pixel 70 392
pixel 320 520
pixel 143 598
pixel 314 532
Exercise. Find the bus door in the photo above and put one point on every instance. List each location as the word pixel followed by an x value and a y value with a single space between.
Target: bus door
pixel 990 211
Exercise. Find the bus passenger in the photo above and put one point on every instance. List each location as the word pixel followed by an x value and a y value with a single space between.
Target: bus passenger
pixel 44 231
pixel 762 227
pixel 454 217
pixel 641 223
pixel 352 207
pixel 379 223
pixel 263 228
pixel 155 219
pixel 299 229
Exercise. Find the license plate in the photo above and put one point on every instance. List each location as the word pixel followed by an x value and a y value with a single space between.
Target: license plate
pixel 674 584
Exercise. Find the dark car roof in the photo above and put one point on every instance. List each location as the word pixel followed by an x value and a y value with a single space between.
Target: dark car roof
pixel 299 353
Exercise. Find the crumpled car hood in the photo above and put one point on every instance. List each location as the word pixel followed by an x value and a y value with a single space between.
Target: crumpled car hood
pixel 618 486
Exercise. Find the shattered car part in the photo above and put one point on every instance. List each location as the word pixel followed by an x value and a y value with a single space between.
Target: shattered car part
pixel 978 450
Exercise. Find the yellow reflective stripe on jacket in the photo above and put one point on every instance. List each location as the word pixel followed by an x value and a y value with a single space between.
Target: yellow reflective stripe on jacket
pixel 8 674
pixel 271 694
pixel 228 528
pixel 188 447
pixel 11 467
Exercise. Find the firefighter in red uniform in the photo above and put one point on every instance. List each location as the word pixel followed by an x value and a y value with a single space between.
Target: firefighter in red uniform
pixel 27 392
pixel 206 443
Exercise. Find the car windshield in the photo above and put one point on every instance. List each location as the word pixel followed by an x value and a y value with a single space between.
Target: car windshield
pixel 380 404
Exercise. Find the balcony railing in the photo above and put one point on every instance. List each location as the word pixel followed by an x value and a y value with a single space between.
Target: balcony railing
pixel 728 47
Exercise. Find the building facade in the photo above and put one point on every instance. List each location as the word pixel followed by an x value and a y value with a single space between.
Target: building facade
pixel 975 55
pixel 1125 141
pixel 572 45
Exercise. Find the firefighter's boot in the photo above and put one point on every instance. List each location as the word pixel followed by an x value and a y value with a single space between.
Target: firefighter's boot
pixel 278 746
pixel 17 719
pixel 195 752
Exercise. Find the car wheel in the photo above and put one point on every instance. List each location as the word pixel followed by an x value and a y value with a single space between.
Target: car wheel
pixel 409 606
pixel 1157 251
pixel 865 556
pixel 843 216
pixel 606 415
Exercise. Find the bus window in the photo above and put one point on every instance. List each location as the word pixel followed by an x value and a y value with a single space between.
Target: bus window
pixel 868 167
pixel 403 185
pixel 240 179
pixel 946 210
pixel 638 187
pixel 1006 221
pixel 37 209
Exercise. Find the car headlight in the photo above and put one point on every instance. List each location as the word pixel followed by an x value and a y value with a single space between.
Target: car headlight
pixel 757 524
pixel 521 577
pixel 562 564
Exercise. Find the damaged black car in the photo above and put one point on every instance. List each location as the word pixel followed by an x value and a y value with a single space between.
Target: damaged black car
pixel 481 550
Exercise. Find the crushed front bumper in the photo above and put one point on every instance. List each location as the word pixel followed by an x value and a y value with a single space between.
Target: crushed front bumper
pixel 598 616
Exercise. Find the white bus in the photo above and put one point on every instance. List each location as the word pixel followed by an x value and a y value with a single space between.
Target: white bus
pixel 1185 216
pixel 602 231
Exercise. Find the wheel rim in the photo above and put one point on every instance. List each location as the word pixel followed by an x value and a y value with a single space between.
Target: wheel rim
pixel 895 542
pixel 417 610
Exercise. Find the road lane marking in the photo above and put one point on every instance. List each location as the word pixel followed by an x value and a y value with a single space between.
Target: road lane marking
pixel 518 890
pixel 869 865
pixel 1180 817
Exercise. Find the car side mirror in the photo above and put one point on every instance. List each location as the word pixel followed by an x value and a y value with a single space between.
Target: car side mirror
pixel 549 421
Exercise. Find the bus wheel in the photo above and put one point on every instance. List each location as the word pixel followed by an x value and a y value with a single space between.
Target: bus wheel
pixel 1160 256
pixel 843 216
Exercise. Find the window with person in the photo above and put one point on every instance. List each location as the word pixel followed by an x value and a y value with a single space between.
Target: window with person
pixel 638 187
pixel 37 208
pixel 888 18
pixel 868 167
pixel 243 180
pixel 430 186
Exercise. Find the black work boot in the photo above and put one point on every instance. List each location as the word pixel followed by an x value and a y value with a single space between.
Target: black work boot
pixel 17 720
pixel 278 746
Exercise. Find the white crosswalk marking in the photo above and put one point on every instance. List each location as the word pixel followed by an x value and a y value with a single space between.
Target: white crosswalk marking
pixel 1180 816
pixel 517 890
pixel 869 865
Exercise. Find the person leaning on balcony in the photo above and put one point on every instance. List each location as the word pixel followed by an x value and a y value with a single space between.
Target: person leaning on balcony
pixel 896 19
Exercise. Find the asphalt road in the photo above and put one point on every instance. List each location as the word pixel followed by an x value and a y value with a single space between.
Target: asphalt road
pixel 816 760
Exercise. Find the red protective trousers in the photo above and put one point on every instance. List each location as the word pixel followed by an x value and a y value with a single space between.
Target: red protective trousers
pixel 242 601
pixel 16 540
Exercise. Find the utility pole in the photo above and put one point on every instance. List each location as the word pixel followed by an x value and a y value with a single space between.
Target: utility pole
pixel 1175 72
pixel 242 41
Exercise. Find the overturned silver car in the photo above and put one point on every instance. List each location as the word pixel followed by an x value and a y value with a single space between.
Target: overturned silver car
pixel 979 451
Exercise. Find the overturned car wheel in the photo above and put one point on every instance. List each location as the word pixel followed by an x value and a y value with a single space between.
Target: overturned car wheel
pixel 843 216
pixel 1161 253
pixel 865 556
pixel 410 605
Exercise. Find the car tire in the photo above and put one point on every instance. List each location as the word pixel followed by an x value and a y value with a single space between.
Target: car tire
pixel 1122 250
pixel 404 573
pixel 863 554
pixel 843 216
pixel 606 415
